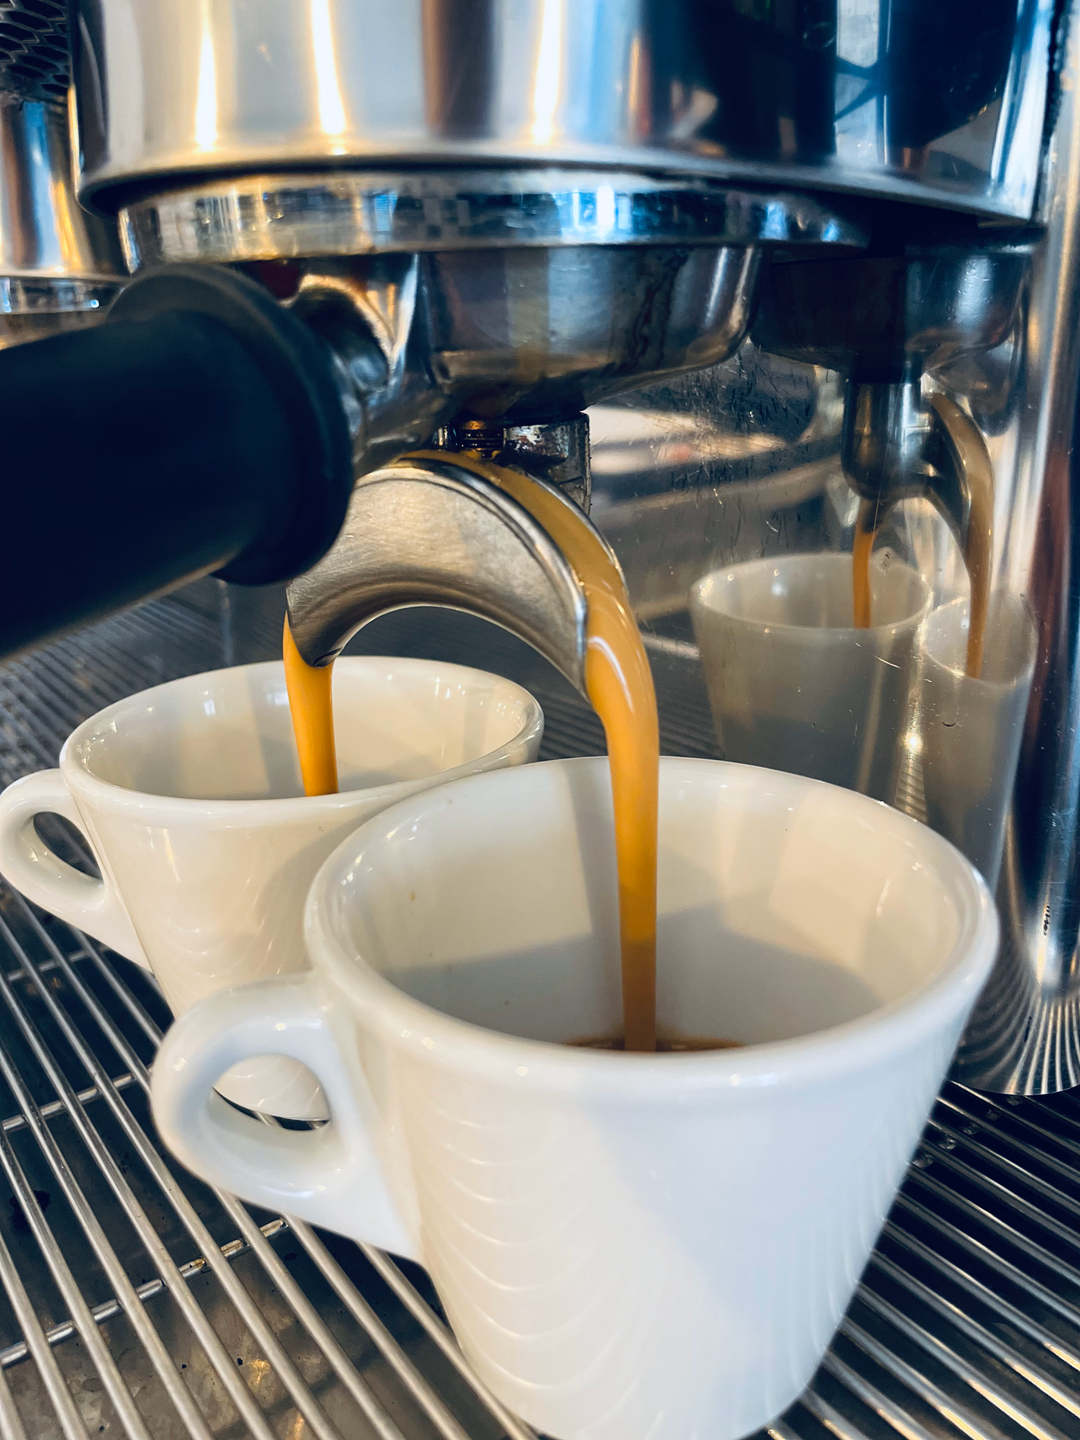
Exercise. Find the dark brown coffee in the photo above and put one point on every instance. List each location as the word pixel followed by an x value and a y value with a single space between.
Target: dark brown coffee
pixel 666 1044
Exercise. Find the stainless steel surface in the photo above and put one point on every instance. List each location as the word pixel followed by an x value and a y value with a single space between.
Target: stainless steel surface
pixel 59 266
pixel 44 232
pixel 557 451
pixel 911 98
pixel 359 212
pixel 966 1324
pixel 933 316
pixel 943 291
pixel 522 337
pixel 889 323
pixel 427 532
pixel 34 56
pixel 372 312
pixel 1025 1035
pixel 896 446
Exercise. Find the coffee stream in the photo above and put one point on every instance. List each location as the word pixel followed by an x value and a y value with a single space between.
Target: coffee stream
pixel 620 686
pixel 977 467
pixel 666 1044
pixel 865 530
pixel 312 708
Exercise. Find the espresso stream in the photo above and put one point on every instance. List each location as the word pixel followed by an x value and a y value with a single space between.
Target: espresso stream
pixel 978 470
pixel 620 687
pixel 311 703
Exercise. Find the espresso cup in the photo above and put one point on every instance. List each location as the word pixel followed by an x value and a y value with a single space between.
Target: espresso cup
pixel 626 1245
pixel 190 798
pixel 792 683
pixel 969 730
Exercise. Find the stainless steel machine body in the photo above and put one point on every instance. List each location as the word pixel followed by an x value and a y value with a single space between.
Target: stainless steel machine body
pixel 928 102
pixel 757 250
pixel 60 267
pixel 500 214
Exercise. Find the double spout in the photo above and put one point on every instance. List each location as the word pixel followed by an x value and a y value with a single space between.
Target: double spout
pixel 427 531
pixel 897 444
pixel 497 353
pixel 888 322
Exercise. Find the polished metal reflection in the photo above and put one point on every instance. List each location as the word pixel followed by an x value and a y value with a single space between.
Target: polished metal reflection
pixel 358 212
pixel 59 266
pixel 557 451
pixel 44 233
pixel 1025 1035
pixel 525 334
pixel 35 61
pixel 733 475
pixel 428 532
pixel 373 315
pixel 878 318
pixel 895 446
pixel 517 338
pixel 860 95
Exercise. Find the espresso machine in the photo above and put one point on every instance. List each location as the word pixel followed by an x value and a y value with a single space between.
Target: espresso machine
pixel 739 278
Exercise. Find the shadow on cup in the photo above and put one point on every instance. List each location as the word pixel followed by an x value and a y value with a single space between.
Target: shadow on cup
pixel 792 683
pixel 967 731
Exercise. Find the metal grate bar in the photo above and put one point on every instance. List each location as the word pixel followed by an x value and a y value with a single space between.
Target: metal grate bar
pixel 973 1246
pixel 967 1322
pixel 320 1332
pixel 829 1417
pixel 11 1426
pixel 977 1290
pixel 1008 1355
pixel 56 1107
pixel 417 1387
pixel 891 1362
pixel 515 1429
pixel 107 1309
pixel 167 1268
pixel 977 1378
pixel 1041 1154
pixel 302 1396
pixel 896 1416
pixel 254 1237
pixel 38 1345
pixel 305 1401
pixel 122 993
pixel 78 1309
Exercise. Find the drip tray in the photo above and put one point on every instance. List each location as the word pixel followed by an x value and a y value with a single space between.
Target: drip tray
pixel 138 1302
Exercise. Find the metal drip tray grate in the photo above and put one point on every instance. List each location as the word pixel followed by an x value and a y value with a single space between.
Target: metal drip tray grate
pixel 138 1302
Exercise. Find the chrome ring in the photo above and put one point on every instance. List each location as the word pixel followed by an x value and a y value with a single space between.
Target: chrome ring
pixel 266 217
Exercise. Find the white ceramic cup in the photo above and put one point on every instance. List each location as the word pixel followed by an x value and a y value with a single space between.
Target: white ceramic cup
pixel 191 799
pixel 627 1246
pixel 792 683
pixel 970 730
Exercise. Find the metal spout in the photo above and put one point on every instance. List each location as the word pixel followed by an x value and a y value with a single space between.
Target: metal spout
pixel 898 446
pixel 429 532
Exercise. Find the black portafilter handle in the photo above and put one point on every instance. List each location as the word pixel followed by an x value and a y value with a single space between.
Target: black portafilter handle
pixel 197 429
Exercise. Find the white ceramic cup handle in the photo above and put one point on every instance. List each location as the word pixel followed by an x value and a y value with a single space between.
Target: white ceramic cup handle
pixel 29 864
pixel 330 1176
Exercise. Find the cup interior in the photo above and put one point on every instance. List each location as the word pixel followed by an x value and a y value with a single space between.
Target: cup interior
pixel 811 592
pixel 1007 663
pixel 786 906
pixel 227 735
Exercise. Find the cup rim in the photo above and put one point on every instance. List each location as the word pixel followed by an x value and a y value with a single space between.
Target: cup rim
pixel 119 799
pixel 978 684
pixel 490 1055
pixel 699 601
